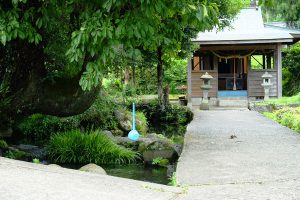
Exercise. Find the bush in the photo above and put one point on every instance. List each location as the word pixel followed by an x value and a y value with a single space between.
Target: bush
pixel 291 70
pixel 289 117
pixel 38 127
pixel 94 147
pixel 100 115
pixel 172 114
pixel 18 155
pixel 3 144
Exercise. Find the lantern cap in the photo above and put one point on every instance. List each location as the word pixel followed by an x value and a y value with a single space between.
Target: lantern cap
pixel 266 75
pixel 206 76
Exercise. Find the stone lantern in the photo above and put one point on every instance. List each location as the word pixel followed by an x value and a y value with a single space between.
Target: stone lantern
pixel 267 84
pixel 206 86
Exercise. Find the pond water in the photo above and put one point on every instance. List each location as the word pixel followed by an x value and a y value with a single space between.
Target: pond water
pixel 139 172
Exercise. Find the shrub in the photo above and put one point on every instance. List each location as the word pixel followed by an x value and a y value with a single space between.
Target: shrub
pixel 291 70
pixel 39 127
pixel 100 115
pixel 289 117
pixel 172 114
pixel 3 144
pixel 94 147
pixel 17 155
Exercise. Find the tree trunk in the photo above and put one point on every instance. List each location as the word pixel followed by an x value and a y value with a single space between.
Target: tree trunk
pixel 126 76
pixel 160 75
pixel 166 95
pixel 133 75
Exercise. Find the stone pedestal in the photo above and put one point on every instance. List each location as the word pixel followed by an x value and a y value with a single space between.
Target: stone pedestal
pixel 267 84
pixel 205 88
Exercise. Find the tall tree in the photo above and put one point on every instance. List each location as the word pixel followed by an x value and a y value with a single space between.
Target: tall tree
pixel 35 35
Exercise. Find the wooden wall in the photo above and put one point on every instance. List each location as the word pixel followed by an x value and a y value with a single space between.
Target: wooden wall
pixel 254 83
pixel 197 82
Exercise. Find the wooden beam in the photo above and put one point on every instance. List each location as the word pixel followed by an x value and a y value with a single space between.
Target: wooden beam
pixel 237 47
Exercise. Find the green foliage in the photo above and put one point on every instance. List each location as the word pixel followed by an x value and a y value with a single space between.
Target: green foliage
pixel 39 127
pixel 3 144
pixel 176 75
pixel 282 10
pixel 93 147
pixel 173 179
pixel 289 117
pixel 172 114
pixel 101 114
pixel 17 154
pixel 36 161
pixel 141 125
pixel 291 70
pixel 162 162
pixel 283 101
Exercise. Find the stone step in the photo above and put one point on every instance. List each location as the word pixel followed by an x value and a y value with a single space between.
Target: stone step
pixel 233 98
pixel 233 103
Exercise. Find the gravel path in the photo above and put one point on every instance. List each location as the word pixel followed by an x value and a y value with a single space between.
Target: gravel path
pixel 239 155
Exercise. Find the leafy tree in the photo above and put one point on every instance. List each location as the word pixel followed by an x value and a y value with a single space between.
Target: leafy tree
pixel 291 70
pixel 282 10
pixel 36 34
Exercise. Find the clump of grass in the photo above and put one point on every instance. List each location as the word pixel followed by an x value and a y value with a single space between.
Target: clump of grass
pixel 283 101
pixel 93 147
pixel 173 179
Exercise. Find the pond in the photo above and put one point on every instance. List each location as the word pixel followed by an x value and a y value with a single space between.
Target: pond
pixel 140 172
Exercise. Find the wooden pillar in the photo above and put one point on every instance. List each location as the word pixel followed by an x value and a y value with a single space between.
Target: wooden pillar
pixel 278 65
pixel 269 60
pixel 189 81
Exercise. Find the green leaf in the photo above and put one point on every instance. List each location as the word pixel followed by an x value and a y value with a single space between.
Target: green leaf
pixel 3 39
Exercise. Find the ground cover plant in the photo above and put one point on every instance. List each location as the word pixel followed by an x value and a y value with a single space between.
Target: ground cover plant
pixel 283 101
pixel 83 148
pixel 289 117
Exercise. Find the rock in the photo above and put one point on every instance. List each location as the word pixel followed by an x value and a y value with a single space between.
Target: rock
pixel 125 142
pixel 154 146
pixel 124 118
pixel 123 121
pixel 93 168
pixel 109 134
pixel 54 165
pixel 35 151
pixel 117 132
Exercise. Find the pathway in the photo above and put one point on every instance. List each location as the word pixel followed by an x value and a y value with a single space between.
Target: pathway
pixel 29 181
pixel 261 162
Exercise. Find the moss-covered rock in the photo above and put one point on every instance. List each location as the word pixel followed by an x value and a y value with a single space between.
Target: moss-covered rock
pixel 93 168
pixel 124 118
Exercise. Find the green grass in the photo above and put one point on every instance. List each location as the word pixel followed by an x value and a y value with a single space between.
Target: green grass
pixel 282 101
pixel 289 117
pixel 74 147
